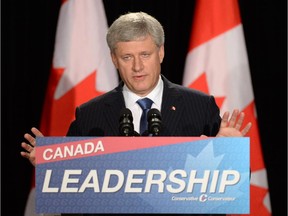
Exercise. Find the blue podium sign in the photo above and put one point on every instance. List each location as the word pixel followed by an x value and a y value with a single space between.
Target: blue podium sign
pixel 142 175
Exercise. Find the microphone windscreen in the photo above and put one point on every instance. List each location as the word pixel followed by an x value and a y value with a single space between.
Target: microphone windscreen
pixel 154 122
pixel 126 113
pixel 152 113
pixel 126 127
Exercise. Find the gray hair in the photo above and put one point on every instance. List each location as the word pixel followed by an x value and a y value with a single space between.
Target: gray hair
pixel 133 26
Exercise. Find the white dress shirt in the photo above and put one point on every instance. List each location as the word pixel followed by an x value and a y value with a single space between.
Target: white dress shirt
pixel 130 102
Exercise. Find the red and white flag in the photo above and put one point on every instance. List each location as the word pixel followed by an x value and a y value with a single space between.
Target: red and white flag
pixel 217 64
pixel 82 68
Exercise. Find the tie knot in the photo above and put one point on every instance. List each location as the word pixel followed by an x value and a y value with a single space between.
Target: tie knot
pixel 145 103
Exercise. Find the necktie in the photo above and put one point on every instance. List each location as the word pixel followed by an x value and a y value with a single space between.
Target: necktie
pixel 145 104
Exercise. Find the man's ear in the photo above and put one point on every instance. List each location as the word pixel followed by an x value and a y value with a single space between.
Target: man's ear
pixel 161 53
pixel 114 60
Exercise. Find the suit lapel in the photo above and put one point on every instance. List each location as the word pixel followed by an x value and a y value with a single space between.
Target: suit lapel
pixel 113 105
pixel 172 108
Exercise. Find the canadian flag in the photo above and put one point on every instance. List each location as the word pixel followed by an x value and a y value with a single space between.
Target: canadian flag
pixel 217 64
pixel 82 68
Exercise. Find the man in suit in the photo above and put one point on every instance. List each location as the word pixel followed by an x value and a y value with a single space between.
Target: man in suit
pixel 136 42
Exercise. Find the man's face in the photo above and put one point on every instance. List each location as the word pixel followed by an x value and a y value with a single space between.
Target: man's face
pixel 139 64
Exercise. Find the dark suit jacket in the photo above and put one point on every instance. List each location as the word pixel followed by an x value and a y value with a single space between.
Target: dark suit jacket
pixel 195 114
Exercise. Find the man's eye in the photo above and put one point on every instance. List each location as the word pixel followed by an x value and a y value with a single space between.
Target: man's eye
pixel 145 55
pixel 126 58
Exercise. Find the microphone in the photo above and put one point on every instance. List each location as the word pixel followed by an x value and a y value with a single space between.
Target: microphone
pixel 154 121
pixel 126 127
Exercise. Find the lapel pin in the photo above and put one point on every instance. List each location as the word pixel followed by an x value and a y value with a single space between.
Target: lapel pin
pixel 173 108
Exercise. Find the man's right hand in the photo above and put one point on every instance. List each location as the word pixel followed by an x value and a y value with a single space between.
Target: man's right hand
pixel 29 147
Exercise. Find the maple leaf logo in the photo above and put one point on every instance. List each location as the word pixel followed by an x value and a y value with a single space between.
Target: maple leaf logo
pixel 60 112
pixel 200 204
pixel 201 85
pixel 259 185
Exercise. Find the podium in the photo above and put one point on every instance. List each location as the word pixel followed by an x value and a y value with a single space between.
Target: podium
pixel 154 175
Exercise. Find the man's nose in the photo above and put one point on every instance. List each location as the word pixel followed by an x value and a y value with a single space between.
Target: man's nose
pixel 137 64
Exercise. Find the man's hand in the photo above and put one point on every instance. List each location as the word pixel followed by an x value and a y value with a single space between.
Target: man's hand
pixel 29 147
pixel 232 127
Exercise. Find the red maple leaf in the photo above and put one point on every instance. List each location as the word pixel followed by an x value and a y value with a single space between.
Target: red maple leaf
pixel 201 85
pixel 59 113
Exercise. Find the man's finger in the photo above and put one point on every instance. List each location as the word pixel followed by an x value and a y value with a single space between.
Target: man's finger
pixel 26 146
pixel 246 129
pixel 233 118
pixel 240 120
pixel 30 139
pixel 36 132
pixel 224 120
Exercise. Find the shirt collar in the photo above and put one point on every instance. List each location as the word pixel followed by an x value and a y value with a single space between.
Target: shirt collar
pixel 155 95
